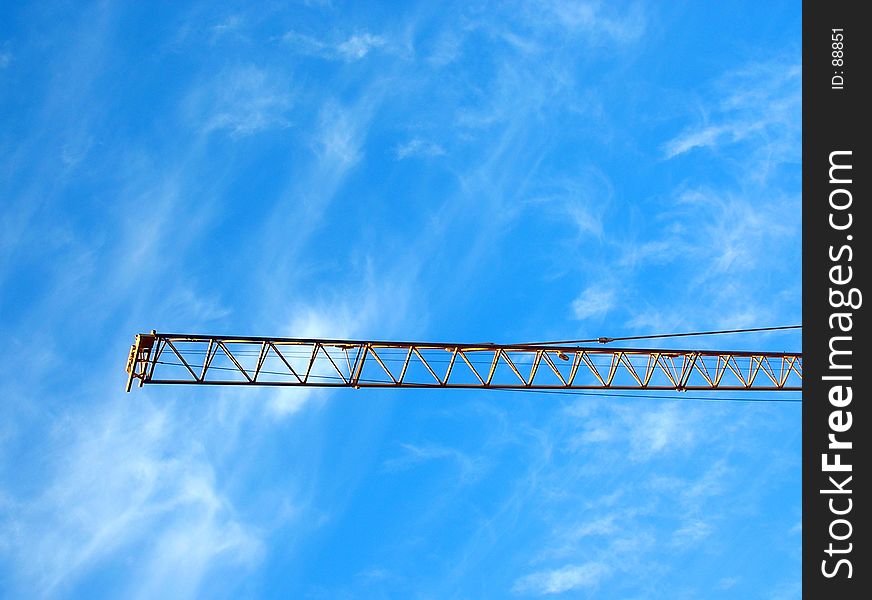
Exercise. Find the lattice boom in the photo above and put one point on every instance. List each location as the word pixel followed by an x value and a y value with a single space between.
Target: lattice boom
pixel 158 358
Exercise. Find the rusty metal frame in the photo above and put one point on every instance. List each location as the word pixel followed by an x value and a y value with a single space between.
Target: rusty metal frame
pixel 386 364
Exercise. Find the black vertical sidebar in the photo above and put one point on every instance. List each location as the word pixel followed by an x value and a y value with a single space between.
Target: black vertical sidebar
pixel 836 227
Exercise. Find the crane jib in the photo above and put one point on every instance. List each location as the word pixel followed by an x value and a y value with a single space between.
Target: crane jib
pixel 185 359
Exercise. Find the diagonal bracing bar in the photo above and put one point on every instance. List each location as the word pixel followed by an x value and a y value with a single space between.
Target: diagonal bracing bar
pixel 162 358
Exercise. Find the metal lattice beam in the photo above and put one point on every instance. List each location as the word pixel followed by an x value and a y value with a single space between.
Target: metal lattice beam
pixel 159 358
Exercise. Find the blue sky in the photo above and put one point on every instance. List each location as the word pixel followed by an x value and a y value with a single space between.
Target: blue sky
pixel 499 172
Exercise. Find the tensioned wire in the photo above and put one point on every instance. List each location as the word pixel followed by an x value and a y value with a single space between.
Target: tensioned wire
pixel 606 340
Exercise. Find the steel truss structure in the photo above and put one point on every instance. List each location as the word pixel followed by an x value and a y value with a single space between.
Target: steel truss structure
pixel 163 358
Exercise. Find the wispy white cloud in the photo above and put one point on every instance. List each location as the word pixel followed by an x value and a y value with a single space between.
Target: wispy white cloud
pixel 759 103
pixel 192 308
pixel 340 136
pixel 602 526
pixel 595 301
pixel 691 533
pixel 114 480
pixel 470 467
pixel 336 138
pixel 243 101
pixel 228 26
pixel 745 232
pixel 694 493
pixel 624 529
pixel 595 20
pixel 648 253
pixel 76 150
pixel 447 48
pixel 728 583
pixel 531 28
pixel 127 475
pixel 660 429
pixel 734 230
pixel 359 45
pixel 587 219
pixel 581 201
pixel 419 147
pixel 348 49
pixel 596 433
pixel 563 579
pixel 738 246
pixel 665 427
pixel 697 138
pixel 659 320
